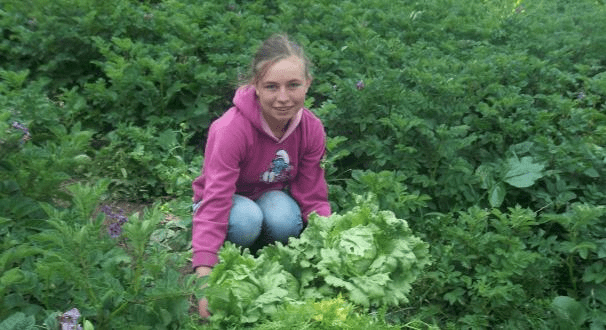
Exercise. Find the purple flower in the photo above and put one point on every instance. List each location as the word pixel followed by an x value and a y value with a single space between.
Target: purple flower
pixel 121 219
pixel 73 314
pixel 106 209
pixel 581 95
pixel 360 85
pixel 116 221
pixel 114 230
pixel 22 128
pixel 69 320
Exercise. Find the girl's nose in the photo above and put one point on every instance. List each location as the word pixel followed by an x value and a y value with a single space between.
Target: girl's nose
pixel 283 95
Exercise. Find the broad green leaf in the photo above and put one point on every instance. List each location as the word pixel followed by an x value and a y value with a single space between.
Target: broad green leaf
pixel 600 293
pixel 583 248
pixel 591 172
pixel 167 139
pixel 4 221
pixel 88 325
pixel 496 195
pixel 486 175
pixel 523 172
pixel 595 273
pixel 569 310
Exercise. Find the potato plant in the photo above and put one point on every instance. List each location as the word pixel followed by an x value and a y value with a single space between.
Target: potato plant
pixel 480 124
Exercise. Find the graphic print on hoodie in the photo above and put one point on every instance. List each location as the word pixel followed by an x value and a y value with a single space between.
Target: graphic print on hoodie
pixel 243 157
pixel 279 168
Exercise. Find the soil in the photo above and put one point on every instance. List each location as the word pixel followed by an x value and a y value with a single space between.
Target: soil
pixel 130 208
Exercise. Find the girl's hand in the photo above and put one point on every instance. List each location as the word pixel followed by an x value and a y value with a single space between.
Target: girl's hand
pixel 203 303
pixel 203 308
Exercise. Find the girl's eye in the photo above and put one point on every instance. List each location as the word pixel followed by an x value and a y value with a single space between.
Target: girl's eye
pixel 294 85
pixel 271 87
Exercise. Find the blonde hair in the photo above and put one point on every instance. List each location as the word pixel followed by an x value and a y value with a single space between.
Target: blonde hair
pixel 272 50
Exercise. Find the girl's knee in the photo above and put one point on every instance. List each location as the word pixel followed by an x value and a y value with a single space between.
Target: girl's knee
pixel 279 203
pixel 282 216
pixel 245 222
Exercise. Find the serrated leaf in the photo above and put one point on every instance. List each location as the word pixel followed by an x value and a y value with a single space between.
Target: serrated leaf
pixel 19 321
pixel 12 276
pixel 523 172
pixel 454 295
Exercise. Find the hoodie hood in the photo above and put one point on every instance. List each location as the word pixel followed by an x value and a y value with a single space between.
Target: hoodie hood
pixel 246 102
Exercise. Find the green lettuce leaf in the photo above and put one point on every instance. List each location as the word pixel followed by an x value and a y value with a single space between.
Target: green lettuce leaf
pixel 367 256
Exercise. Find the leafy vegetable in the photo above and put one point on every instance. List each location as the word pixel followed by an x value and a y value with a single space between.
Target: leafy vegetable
pixel 245 289
pixel 329 314
pixel 368 256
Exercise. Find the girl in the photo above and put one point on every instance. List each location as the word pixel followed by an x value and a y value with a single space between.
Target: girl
pixel 261 176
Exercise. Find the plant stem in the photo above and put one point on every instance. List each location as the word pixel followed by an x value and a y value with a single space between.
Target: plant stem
pixel 570 264
pixel 118 310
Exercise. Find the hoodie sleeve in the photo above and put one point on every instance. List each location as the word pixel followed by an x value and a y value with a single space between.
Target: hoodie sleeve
pixel 216 186
pixel 309 187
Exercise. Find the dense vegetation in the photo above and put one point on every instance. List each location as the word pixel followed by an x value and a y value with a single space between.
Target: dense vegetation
pixel 478 127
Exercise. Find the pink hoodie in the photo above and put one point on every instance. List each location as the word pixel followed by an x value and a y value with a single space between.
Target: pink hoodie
pixel 243 157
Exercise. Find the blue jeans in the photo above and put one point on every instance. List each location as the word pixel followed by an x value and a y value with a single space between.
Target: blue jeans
pixel 275 216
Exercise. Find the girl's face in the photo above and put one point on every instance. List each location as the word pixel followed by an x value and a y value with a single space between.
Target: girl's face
pixel 281 91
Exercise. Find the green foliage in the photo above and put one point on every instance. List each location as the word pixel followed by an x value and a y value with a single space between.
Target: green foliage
pixel 481 123
pixel 245 290
pixel 581 250
pixel 47 149
pixel 146 162
pixel 484 262
pixel 368 256
pixel 569 311
pixel 131 279
pixel 389 189
pixel 120 63
pixel 325 314
pixel 19 321
pixel 451 97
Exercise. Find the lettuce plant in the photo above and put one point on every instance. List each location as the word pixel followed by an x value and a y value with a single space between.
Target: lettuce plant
pixel 244 290
pixel 368 256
